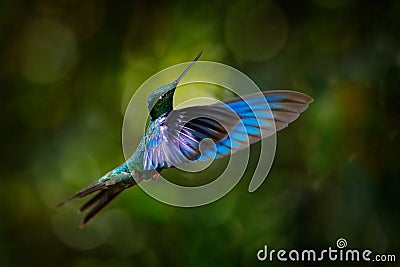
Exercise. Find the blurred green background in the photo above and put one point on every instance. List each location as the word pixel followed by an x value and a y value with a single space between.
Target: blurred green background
pixel 69 68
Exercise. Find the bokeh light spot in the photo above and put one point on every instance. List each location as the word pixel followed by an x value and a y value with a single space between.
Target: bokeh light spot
pixel 48 51
pixel 66 229
pixel 254 30
pixel 331 33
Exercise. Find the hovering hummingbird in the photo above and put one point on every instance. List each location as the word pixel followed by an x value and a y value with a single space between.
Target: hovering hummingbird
pixel 173 136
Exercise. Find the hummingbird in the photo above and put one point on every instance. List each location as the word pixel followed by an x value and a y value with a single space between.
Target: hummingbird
pixel 172 137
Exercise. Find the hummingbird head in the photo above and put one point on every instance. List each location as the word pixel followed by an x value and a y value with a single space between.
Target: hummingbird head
pixel 160 101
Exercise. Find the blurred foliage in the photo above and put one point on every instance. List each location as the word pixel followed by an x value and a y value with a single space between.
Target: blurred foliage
pixel 69 68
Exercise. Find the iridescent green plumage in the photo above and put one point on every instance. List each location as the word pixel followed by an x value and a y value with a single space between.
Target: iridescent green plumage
pixel 163 105
pixel 160 101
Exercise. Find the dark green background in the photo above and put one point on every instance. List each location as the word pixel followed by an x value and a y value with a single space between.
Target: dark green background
pixel 69 68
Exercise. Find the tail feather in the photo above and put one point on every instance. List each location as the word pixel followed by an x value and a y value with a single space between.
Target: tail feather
pixel 84 192
pixel 106 193
pixel 93 200
pixel 102 199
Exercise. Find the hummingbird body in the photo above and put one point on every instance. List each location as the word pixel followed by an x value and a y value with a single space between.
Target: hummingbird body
pixel 172 137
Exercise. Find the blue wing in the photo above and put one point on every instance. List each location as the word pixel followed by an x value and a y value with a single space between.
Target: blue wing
pixel 261 116
pixel 174 139
pixel 232 126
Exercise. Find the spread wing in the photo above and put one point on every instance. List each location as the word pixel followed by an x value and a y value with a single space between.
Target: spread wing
pixel 175 139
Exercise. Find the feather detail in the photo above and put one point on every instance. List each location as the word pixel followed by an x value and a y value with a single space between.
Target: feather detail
pixel 174 139
pixel 108 189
